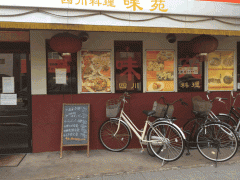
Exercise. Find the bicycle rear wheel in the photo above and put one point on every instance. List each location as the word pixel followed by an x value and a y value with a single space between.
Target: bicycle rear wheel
pixel 217 142
pixel 113 142
pixel 167 142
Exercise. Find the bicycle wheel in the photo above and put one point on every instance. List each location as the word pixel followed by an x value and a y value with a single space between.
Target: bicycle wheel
pixel 190 129
pixel 217 142
pixel 226 119
pixel 118 142
pixel 167 142
pixel 157 149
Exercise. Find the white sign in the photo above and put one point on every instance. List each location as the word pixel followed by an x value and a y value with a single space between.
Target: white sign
pixel 8 84
pixel 61 75
pixel 184 7
pixel 8 99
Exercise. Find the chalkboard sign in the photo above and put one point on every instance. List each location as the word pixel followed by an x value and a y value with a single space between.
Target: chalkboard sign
pixel 75 126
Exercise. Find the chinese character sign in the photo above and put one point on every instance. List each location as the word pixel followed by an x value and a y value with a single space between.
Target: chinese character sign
pixel 125 5
pixel 220 70
pixel 95 71
pixel 160 70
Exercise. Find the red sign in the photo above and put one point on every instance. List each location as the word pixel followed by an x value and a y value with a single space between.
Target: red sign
pixel 226 1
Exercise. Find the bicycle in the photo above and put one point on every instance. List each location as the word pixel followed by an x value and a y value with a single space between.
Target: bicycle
pixel 233 114
pixel 214 139
pixel 202 116
pixel 164 112
pixel 165 139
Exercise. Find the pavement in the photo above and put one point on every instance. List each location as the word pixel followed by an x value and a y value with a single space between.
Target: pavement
pixel 128 164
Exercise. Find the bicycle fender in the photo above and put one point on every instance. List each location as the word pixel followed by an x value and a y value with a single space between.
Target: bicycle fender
pixel 178 128
pixel 222 114
pixel 123 123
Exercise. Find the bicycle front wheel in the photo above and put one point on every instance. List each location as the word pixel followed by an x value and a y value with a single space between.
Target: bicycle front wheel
pixel 167 143
pixel 111 140
pixel 217 142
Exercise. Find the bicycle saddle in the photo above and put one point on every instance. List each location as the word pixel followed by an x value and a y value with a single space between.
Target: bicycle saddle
pixel 149 113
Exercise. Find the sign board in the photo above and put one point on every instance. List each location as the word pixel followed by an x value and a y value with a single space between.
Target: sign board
pixel 183 7
pixel 75 126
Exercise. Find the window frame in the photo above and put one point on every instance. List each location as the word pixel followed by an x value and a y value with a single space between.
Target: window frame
pixel 74 88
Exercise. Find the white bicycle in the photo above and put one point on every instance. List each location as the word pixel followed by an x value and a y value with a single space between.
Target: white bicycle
pixel 165 139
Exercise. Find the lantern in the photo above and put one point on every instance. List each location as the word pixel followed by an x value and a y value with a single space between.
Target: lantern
pixel 65 43
pixel 204 44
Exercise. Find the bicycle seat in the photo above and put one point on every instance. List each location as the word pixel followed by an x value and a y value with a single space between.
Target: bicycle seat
pixel 149 113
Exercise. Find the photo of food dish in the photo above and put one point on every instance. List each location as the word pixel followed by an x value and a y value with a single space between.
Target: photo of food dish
pixel 215 61
pixel 228 62
pixel 156 86
pixel 227 79
pixel 96 71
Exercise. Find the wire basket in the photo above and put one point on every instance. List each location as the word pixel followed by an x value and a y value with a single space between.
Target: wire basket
pixel 113 107
pixel 161 110
pixel 201 106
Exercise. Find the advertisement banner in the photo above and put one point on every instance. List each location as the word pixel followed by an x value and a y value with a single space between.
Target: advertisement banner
pixel 96 71
pixel 220 70
pixel 160 70
pixel 183 7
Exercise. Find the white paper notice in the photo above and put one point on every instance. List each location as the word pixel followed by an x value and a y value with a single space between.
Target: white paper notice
pixel 61 75
pixel 238 85
pixel 8 84
pixel 8 99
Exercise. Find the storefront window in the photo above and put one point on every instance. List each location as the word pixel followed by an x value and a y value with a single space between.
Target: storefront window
pixel 160 70
pixel 128 66
pixel 96 71
pixel 61 72
pixel 220 70
pixel 190 69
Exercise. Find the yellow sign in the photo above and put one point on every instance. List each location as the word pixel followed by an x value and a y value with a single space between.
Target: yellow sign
pixel 220 70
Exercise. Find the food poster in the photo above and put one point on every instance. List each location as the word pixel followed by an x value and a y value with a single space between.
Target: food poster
pixel 220 70
pixel 96 71
pixel 160 70
pixel 190 74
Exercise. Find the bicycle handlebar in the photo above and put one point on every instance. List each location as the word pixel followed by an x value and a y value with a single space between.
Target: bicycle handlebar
pixel 182 102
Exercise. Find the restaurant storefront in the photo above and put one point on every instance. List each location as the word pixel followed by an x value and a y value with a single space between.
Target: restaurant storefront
pixel 148 48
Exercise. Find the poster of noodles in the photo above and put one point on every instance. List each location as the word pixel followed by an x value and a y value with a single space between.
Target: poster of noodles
pixel 220 70
pixel 160 70
pixel 96 71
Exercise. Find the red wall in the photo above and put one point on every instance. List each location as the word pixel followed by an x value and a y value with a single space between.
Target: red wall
pixel 47 114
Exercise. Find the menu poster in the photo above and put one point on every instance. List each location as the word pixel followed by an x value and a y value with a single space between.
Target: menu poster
pixel 61 75
pixel 190 77
pixel 160 70
pixel 96 71
pixel 8 84
pixel 220 70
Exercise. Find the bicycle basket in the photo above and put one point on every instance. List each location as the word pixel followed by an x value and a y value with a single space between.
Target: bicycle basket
pixel 113 107
pixel 201 106
pixel 161 109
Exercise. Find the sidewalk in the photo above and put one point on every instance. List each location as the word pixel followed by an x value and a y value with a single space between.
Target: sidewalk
pixel 129 164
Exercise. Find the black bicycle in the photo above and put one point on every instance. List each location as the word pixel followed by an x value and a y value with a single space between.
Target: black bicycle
pixel 215 139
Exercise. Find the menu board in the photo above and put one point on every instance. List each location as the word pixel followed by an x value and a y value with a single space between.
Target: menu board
pixel 75 125
pixel 160 70
pixel 96 71
pixel 220 70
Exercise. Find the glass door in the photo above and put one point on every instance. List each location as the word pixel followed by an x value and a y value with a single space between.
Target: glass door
pixel 15 103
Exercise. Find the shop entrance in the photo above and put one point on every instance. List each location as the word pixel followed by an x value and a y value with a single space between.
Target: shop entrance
pixel 15 98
